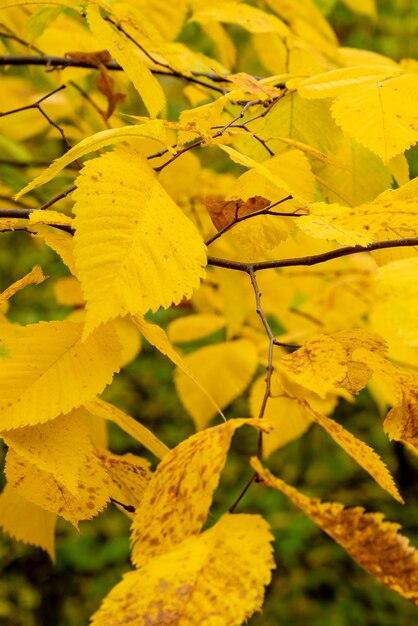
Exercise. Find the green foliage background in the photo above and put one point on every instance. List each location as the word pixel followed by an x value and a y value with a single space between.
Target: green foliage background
pixel 316 583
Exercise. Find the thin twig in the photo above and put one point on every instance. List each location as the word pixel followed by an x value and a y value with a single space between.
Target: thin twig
pixel 37 105
pixel 90 100
pixel 242 493
pixel 128 507
pixel 58 197
pixel 269 368
pixel 199 141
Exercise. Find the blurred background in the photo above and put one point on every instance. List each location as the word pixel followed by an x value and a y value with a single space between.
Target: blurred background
pixel 316 583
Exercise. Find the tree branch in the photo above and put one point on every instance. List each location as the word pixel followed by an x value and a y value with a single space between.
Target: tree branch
pixel 25 213
pixel 313 259
pixel 50 62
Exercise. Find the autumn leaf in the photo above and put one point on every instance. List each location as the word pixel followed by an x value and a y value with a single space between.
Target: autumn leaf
pixel 130 475
pixel 27 522
pixel 60 446
pixel 43 489
pixel 223 213
pixel 224 370
pixel 373 542
pixel 34 277
pixel 154 258
pixel 129 56
pixel 229 565
pixel 169 511
pixel 43 374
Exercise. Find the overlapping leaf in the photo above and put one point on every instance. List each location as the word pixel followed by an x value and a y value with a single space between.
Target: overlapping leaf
pixel 170 510
pixel 373 542
pixel 48 370
pixel 216 577
pixel 138 253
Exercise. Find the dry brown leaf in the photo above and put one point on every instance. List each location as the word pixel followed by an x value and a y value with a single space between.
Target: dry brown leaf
pixel 223 212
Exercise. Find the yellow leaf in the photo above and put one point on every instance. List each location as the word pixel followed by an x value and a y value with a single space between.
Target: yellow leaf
pixel 199 121
pixel 353 175
pixel 137 254
pixel 358 367
pixel 130 58
pixel 223 369
pixel 167 17
pixel 381 115
pixel 401 423
pixel 247 84
pixel 129 339
pixel 35 277
pixel 157 337
pixel 11 223
pixel 153 129
pixel 194 327
pixel 44 372
pixel 289 171
pixel 320 365
pixel 238 300
pixel 46 216
pixel 62 243
pixel 359 451
pixel 67 291
pixel 250 18
pixel 332 83
pixel 223 42
pixel 135 429
pixel 26 521
pixel 396 305
pixel 287 417
pixel 393 214
pixel 130 476
pixel 170 511
pixel 44 490
pixel 216 578
pixel 364 7
pixel 59 447
pixel 369 539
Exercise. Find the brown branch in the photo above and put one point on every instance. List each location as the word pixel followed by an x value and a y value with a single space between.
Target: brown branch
pixel 90 101
pixel 25 213
pixel 242 493
pixel 58 62
pixel 58 197
pixel 314 259
pixel 128 507
pixel 37 106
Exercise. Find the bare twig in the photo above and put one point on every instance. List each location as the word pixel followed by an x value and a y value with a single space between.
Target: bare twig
pixel 128 507
pixel 58 197
pixel 38 106
pixel 242 493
